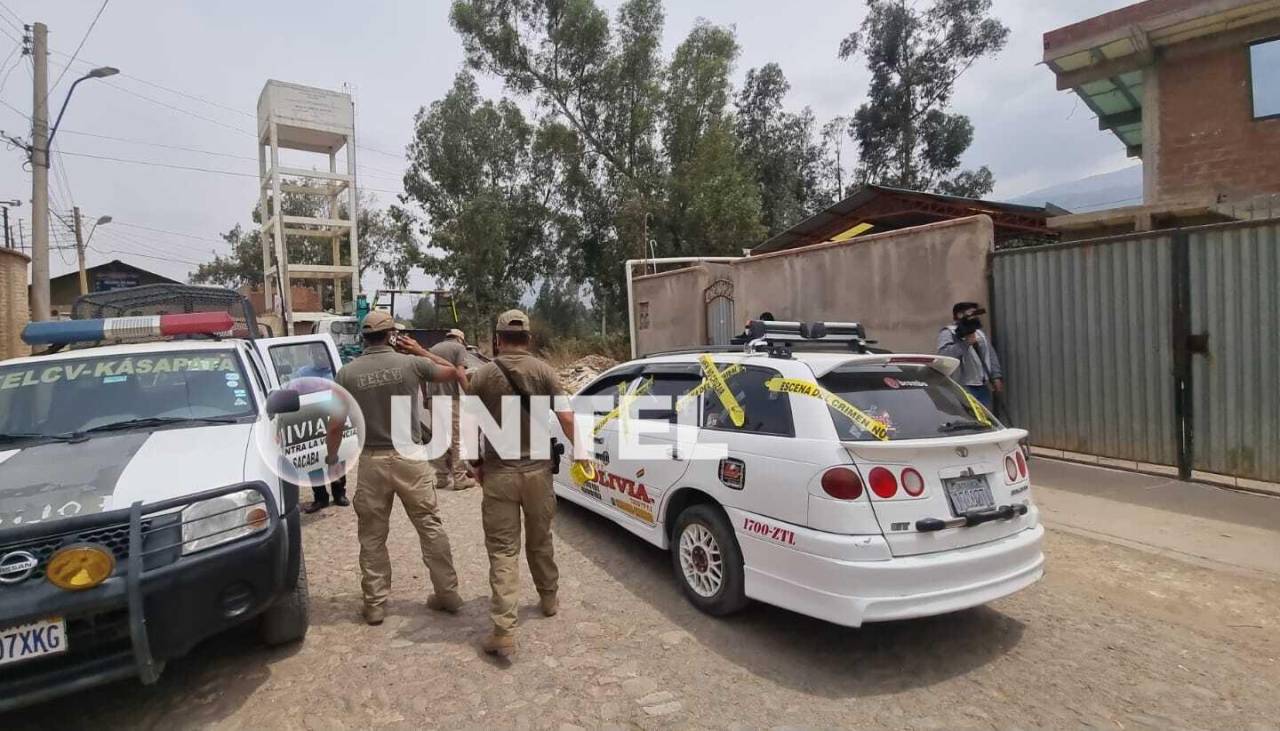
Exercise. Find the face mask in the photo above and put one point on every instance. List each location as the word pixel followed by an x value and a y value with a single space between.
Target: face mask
pixel 973 322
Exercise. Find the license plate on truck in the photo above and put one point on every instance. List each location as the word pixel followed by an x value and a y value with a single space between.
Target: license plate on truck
pixel 968 494
pixel 37 639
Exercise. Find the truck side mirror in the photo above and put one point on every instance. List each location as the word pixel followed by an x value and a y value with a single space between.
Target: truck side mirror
pixel 283 401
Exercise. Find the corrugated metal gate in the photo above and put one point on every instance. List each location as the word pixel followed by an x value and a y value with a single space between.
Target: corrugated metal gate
pixel 1234 277
pixel 1161 347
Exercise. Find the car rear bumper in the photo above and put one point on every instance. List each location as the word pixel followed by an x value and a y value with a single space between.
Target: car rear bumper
pixel 853 592
pixel 146 614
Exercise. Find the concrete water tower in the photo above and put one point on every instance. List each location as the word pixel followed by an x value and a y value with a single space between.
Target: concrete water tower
pixel 304 122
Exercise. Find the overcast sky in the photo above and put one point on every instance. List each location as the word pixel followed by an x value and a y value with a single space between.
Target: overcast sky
pixel 398 56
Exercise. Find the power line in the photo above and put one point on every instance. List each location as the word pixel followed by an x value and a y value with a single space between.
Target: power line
pixel 171 233
pixel 16 26
pixel 210 102
pixel 360 168
pixel 158 144
pixel 114 238
pixel 180 110
pixel 163 165
pixel 84 38
pixel 193 168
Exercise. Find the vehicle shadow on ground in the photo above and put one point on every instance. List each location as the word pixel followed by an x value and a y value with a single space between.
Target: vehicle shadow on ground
pixel 211 683
pixel 791 649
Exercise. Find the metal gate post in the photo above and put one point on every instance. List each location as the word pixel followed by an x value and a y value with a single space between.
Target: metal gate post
pixel 1184 434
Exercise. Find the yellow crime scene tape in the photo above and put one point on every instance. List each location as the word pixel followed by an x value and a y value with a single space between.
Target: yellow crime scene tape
pixel 976 407
pixel 624 403
pixel 721 388
pixel 874 427
pixel 705 386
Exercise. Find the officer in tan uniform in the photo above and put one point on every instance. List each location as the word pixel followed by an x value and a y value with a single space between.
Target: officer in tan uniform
pixel 451 471
pixel 373 379
pixel 517 485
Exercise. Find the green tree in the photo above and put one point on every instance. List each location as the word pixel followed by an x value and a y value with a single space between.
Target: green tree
pixel 486 192
pixel 785 158
pixel 712 205
pixel 385 245
pixel 559 309
pixel 905 135
pixel 650 148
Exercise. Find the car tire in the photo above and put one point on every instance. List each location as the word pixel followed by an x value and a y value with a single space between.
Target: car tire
pixel 287 620
pixel 703 540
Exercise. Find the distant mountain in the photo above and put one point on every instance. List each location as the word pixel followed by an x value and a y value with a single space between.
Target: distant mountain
pixel 1108 190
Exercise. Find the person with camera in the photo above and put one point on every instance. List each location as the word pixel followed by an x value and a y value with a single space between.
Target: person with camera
pixel 394 366
pixel 518 484
pixel 964 340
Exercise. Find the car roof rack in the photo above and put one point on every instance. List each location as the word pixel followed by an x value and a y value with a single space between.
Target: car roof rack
pixel 169 299
pixel 779 339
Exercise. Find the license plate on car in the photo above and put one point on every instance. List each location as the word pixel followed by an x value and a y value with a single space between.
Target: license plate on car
pixel 968 494
pixel 37 639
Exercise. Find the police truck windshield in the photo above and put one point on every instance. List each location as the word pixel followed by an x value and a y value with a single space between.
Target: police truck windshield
pixel 55 399
pixel 912 401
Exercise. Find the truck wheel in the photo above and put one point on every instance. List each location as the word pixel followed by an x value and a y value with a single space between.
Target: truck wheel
pixel 708 561
pixel 287 620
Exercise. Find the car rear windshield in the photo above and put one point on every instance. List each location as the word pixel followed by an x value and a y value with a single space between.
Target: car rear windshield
pixel 912 401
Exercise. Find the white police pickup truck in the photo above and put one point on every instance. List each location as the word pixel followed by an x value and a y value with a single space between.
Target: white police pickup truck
pixel 137 516
pixel 853 486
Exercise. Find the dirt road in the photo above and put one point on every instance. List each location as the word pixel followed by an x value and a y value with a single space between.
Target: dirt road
pixel 1112 638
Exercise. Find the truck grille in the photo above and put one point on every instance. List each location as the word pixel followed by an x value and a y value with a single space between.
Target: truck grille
pixel 114 537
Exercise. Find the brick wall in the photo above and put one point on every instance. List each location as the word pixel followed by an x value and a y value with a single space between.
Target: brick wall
pixel 1209 142
pixel 14 308
pixel 305 299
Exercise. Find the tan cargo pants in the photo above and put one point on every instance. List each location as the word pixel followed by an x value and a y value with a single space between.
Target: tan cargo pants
pixel 451 471
pixel 383 475
pixel 506 494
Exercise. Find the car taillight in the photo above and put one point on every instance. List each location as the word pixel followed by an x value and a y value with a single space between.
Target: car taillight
pixel 883 483
pixel 842 483
pixel 1022 463
pixel 1010 469
pixel 912 482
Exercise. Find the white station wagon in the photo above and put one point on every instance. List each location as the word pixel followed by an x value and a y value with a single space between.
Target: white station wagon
pixel 856 486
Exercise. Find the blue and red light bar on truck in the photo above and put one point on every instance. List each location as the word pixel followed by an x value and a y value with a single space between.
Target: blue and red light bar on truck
pixel 66 332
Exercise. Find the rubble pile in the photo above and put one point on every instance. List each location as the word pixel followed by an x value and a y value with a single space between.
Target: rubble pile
pixel 580 372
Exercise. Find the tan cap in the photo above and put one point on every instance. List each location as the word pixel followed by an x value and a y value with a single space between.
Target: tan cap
pixel 456 333
pixel 377 321
pixel 513 321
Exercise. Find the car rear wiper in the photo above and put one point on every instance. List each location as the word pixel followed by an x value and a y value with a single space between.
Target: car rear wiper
pixel 954 426
pixel 16 436
pixel 158 421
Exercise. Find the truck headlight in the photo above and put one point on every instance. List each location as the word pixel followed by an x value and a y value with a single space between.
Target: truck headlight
pixel 218 520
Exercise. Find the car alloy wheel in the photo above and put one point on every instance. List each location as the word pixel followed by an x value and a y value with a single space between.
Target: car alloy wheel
pixel 701 561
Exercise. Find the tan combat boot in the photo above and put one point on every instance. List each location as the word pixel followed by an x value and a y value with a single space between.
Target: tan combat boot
pixel 450 603
pixel 374 613
pixel 500 645
pixel 550 605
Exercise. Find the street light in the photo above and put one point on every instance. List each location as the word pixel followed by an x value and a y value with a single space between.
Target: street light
pixel 101 220
pixel 98 73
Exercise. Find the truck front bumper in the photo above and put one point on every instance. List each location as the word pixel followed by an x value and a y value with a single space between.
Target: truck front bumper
pixel 157 605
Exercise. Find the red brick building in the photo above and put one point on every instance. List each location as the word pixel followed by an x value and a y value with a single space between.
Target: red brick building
pixel 1192 87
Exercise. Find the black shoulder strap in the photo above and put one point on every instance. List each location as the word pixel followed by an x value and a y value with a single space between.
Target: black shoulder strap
pixel 515 386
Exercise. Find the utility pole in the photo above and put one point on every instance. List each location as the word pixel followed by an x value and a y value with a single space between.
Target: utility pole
pixel 40 173
pixel 84 280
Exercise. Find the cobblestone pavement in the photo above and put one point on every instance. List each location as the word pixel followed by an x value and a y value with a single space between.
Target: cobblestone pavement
pixel 1112 638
